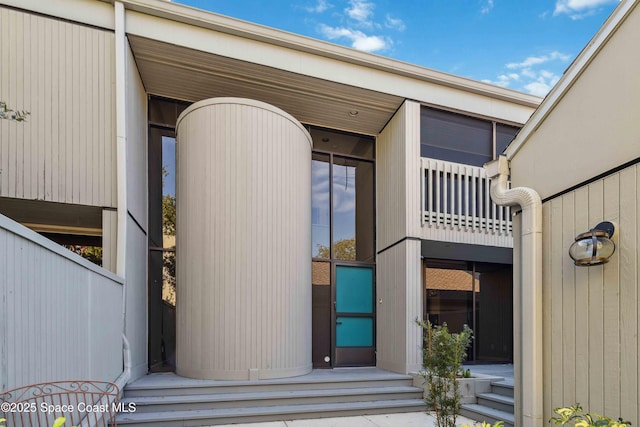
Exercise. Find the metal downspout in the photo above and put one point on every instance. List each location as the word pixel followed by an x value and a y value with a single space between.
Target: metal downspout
pixel 121 171
pixel 528 297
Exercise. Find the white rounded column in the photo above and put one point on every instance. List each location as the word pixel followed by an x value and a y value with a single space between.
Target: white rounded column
pixel 243 242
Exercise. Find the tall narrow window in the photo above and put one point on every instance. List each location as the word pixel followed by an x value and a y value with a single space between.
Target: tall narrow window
pixel 320 206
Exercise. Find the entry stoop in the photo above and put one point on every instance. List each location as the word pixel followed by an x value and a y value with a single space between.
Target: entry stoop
pixel 495 404
pixel 169 400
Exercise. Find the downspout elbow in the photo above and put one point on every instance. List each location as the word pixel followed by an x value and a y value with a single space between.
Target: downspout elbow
pixel 527 198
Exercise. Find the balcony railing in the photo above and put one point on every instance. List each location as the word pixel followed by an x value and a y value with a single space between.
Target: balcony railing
pixel 456 197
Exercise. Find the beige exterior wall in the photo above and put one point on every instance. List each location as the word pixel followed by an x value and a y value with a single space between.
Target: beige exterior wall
pixel 591 318
pixel 60 315
pixel 398 177
pixel 399 295
pixel 398 272
pixel 594 127
pixel 62 73
pixel 244 242
pixel 137 208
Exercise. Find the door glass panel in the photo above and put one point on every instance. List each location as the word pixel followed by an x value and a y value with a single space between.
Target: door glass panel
pixel 449 297
pixel 354 331
pixel 320 211
pixel 354 289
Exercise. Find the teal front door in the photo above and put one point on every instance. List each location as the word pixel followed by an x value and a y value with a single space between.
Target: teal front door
pixel 354 316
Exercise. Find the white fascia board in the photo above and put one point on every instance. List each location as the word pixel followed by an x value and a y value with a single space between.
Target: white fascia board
pixel 358 74
pixel 95 13
pixel 571 75
pixel 177 13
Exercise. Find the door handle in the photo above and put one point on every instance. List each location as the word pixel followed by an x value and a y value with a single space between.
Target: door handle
pixel 338 323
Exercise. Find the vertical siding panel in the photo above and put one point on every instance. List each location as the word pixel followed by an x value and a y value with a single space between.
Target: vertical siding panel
pixel 21 93
pixel 51 68
pixel 557 393
pixel 45 289
pixel 4 319
pixel 547 284
pixel 583 315
pixel 109 239
pixel 414 296
pixel 568 309
pixel 4 129
pixel 611 303
pixel 596 312
pixel 627 242
pixel 391 191
pixel 51 163
pixel 411 145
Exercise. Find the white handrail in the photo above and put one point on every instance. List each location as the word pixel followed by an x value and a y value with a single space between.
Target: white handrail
pixel 456 196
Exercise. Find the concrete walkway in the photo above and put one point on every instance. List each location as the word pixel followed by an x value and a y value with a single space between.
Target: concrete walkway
pixel 421 419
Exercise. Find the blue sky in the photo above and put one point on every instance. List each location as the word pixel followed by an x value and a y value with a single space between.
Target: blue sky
pixel 523 45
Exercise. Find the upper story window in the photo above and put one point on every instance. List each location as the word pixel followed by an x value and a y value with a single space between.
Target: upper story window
pixel 461 139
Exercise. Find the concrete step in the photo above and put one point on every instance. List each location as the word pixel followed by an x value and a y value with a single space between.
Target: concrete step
pixel 194 402
pixel 483 413
pixel 502 387
pixel 174 386
pixel 496 401
pixel 268 413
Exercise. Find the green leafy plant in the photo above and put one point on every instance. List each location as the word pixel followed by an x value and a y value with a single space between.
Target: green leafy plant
pixel 574 415
pixel 442 357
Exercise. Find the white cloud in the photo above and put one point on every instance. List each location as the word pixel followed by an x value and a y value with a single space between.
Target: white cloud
pixel 533 74
pixel 537 60
pixel 319 7
pixel 578 9
pixel 486 7
pixel 538 88
pixel 360 11
pixel 394 23
pixel 359 40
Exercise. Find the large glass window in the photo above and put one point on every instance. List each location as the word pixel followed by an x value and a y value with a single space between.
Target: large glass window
pixel 163 291
pixel 352 209
pixel 478 295
pixel 457 138
pixel 342 206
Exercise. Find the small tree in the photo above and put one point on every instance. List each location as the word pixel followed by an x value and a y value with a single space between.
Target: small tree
pixel 442 357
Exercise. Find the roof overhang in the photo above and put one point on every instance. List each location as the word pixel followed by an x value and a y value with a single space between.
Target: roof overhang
pixel 190 54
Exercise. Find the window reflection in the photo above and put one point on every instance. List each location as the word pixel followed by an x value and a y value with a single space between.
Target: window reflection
pixel 320 213
pixel 353 206
pixel 342 199
pixel 344 209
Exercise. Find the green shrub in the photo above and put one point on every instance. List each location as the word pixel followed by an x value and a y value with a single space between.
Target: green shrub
pixel 576 416
pixel 442 357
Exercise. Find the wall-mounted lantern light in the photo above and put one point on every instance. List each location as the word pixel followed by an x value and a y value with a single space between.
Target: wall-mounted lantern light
pixel 595 246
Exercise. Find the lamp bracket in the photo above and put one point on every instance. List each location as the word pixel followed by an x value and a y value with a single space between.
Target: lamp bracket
pixel 606 226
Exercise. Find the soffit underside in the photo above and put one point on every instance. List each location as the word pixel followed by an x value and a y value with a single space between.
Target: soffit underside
pixel 186 74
